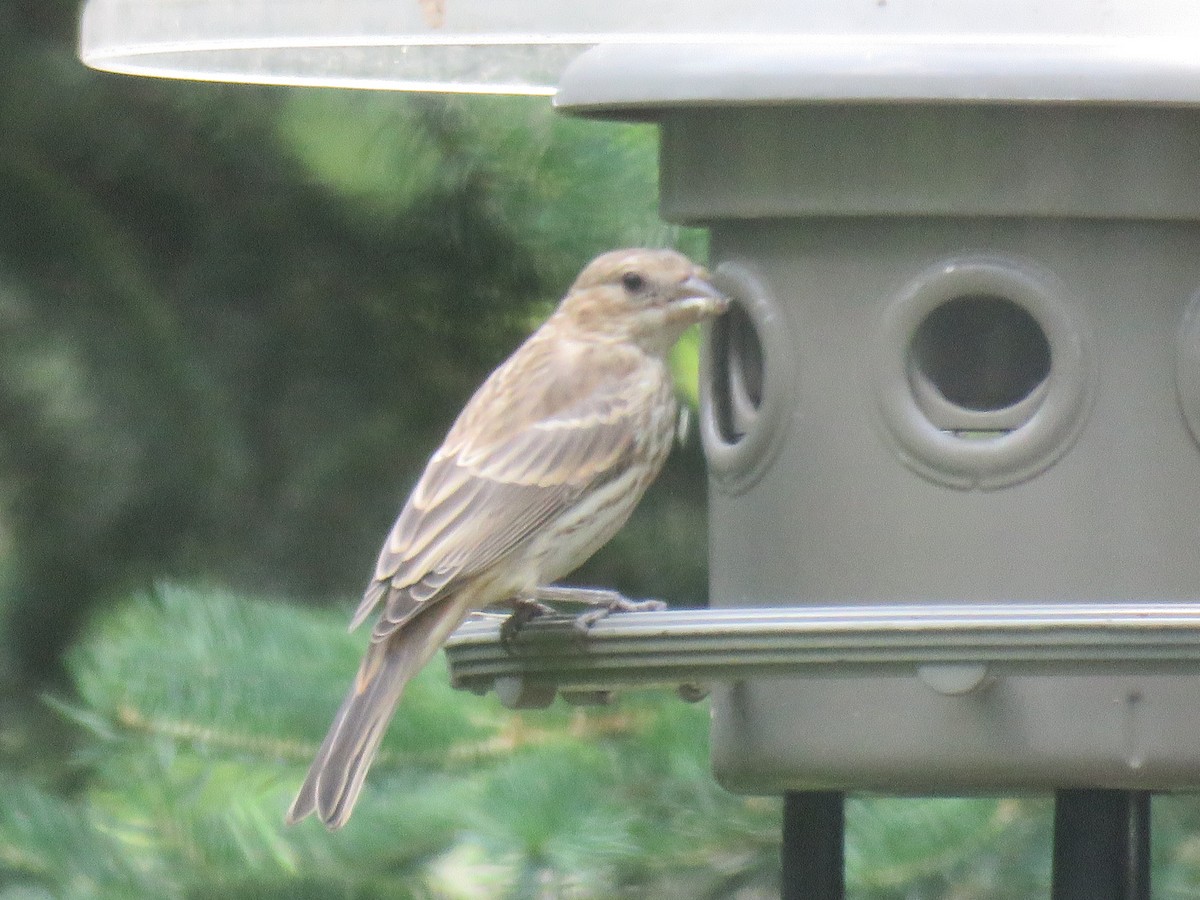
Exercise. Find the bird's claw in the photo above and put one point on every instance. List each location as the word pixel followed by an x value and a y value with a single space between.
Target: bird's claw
pixel 524 612
pixel 585 621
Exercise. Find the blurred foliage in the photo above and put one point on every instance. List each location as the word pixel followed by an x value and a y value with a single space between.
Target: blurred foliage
pixel 234 321
pixel 200 711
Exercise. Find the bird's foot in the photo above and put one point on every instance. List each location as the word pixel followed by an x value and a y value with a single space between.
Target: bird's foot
pixel 603 603
pixel 524 611
pixel 585 621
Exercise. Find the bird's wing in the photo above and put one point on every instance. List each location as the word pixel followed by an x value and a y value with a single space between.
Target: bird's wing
pixel 519 455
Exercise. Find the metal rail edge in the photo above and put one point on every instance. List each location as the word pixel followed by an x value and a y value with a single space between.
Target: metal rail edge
pixel 952 646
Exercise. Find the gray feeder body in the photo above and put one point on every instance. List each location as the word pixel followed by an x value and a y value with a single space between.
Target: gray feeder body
pixel 963 368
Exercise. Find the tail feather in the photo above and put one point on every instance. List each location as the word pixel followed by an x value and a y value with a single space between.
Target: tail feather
pixel 336 776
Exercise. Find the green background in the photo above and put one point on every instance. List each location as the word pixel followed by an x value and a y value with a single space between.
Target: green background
pixel 234 322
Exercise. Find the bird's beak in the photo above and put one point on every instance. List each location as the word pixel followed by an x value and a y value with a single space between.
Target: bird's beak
pixel 697 294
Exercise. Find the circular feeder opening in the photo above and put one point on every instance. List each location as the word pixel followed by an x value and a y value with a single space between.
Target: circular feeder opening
pixel 983 377
pixel 747 381
pixel 737 374
pixel 984 355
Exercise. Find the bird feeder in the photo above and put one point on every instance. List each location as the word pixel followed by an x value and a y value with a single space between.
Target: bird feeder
pixel 953 419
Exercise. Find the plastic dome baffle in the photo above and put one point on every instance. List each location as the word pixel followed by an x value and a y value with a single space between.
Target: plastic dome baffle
pixel 504 46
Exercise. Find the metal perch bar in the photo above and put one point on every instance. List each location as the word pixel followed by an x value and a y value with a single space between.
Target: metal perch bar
pixel 683 647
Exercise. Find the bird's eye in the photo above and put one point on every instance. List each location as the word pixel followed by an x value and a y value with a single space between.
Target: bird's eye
pixel 632 282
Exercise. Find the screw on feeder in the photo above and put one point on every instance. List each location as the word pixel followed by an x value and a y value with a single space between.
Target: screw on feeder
pixel 523 692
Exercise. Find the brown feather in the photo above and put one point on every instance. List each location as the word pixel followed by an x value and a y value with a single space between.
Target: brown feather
pixel 543 465
pixel 489 489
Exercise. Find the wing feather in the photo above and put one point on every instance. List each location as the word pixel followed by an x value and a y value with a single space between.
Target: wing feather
pixel 515 460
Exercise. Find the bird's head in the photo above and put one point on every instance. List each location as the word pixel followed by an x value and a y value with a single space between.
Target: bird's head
pixel 648 297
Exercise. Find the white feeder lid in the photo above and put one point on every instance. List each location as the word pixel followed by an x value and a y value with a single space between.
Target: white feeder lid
pixel 882 48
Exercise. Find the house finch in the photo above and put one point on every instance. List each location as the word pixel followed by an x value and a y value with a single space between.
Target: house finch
pixel 544 465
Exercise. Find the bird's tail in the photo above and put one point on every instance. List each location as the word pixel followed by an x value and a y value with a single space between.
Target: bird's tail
pixel 336 776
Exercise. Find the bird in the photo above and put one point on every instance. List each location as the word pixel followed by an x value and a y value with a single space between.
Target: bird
pixel 541 468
